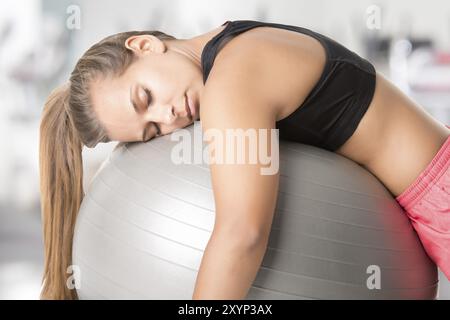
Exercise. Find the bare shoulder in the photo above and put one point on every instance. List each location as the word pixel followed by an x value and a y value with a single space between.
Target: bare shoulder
pixel 249 87
pixel 275 66
pixel 232 100
pixel 237 88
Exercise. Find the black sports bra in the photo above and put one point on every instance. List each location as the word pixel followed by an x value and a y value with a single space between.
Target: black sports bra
pixel 333 109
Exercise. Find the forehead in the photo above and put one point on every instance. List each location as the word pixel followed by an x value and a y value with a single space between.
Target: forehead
pixel 106 91
pixel 110 98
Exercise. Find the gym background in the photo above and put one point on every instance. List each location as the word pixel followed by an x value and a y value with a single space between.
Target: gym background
pixel 41 40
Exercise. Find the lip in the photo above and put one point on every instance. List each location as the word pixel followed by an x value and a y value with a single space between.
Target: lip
pixel 189 107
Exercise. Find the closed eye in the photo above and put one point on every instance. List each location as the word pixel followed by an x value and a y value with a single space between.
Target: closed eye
pixel 149 101
pixel 158 129
pixel 149 97
pixel 144 135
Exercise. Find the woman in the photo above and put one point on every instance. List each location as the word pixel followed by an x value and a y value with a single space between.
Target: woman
pixel 244 74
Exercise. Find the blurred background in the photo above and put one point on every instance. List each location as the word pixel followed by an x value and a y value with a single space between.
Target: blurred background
pixel 41 40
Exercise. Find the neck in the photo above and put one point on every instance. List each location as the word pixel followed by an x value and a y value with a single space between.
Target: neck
pixel 192 48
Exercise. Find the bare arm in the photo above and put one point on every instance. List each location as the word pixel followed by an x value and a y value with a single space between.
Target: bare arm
pixel 244 197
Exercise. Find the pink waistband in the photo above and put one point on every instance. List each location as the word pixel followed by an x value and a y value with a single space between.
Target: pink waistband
pixel 427 177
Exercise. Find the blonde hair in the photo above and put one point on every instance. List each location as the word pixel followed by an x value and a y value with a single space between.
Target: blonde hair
pixel 68 122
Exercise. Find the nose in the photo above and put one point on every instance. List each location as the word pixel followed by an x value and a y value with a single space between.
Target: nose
pixel 166 114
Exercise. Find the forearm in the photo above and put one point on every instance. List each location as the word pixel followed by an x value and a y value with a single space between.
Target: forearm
pixel 228 268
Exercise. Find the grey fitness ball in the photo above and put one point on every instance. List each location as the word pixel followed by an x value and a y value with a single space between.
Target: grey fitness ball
pixel 337 232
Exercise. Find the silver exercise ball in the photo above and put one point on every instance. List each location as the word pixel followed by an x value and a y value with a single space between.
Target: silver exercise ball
pixel 337 232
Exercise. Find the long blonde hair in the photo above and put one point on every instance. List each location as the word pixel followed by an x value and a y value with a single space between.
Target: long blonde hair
pixel 68 123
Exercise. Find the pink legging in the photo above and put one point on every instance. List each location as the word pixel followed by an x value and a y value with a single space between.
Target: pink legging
pixel 427 204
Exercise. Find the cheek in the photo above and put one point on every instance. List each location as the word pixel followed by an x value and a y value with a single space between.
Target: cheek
pixel 171 79
pixel 183 70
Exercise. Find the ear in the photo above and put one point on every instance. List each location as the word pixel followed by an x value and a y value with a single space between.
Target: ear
pixel 142 44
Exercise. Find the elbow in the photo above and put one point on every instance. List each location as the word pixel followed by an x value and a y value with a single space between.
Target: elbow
pixel 245 237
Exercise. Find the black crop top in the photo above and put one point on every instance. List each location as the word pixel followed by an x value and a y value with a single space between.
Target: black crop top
pixel 332 110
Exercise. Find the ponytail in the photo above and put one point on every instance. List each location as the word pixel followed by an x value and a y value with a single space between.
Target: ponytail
pixel 61 187
pixel 68 123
